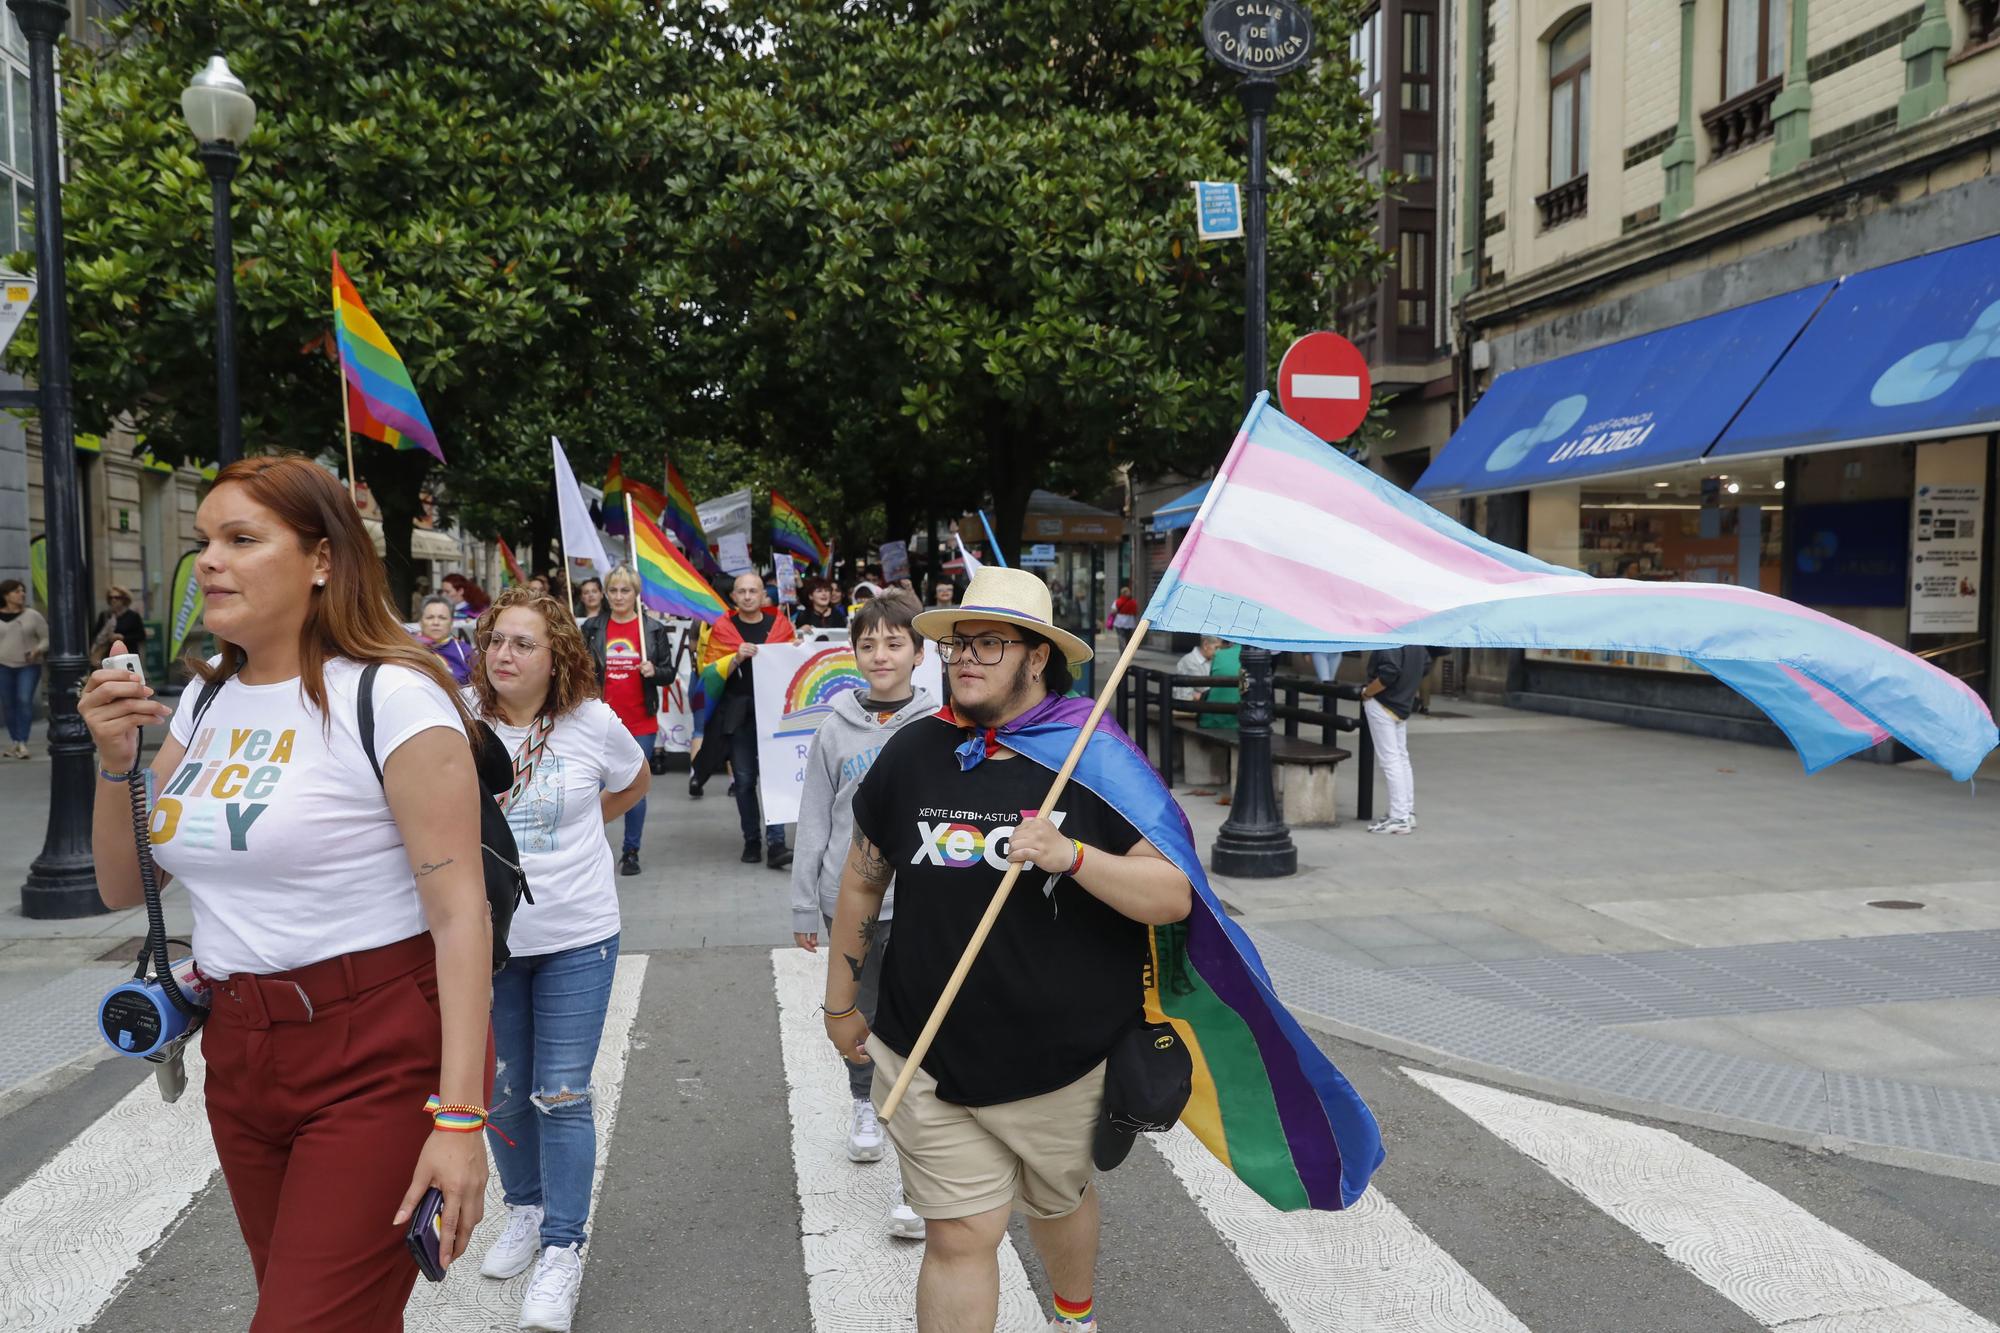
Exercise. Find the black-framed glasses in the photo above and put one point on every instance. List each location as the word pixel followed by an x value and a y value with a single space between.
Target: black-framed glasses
pixel 987 649
pixel 522 645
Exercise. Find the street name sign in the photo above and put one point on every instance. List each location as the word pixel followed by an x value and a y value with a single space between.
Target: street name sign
pixel 1323 385
pixel 1261 38
pixel 1218 210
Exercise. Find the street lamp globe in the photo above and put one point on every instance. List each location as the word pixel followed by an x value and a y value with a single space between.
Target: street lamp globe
pixel 217 106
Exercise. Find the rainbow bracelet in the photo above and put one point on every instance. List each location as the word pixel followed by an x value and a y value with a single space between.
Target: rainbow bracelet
pixel 454 1119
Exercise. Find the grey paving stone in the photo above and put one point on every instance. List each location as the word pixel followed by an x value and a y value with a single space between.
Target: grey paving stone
pixel 1558 1044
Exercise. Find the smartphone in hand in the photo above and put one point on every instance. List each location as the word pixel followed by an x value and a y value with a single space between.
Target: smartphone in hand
pixel 426 1235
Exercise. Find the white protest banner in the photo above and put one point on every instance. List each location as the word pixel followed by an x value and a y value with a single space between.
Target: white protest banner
pixel 732 551
pixel 676 735
pixel 895 561
pixel 795 688
pixel 788 578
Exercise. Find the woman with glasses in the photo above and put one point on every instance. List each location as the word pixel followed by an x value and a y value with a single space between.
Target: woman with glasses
pixel 576 767
pixel 632 651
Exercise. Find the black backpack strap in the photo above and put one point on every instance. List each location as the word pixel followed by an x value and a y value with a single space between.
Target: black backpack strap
pixel 209 689
pixel 365 697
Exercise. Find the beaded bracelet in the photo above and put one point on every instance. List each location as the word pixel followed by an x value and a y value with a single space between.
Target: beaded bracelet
pixel 454 1119
pixel 116 777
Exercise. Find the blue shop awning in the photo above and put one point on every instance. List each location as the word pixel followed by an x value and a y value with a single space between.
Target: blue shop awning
pixel 1906 351
pixel 1173 517
pixel 1648 402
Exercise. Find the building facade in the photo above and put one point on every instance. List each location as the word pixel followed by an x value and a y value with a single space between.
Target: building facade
pixel 1705 246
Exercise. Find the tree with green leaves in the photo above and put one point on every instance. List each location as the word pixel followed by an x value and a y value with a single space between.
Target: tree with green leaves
pixel 491 172
pixel 955 239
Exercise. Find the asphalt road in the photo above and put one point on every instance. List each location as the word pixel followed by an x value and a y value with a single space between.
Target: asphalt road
pixel 699 1220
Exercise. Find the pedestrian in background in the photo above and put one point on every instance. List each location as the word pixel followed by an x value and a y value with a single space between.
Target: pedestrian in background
pixel 731 734
pixel 1124 615
pixel 340 913
pixel 943 593
pixel 630 672
pixel 1390 696
pixel 468 599
pixel 117 620
pixel 576 768
pixel 24 642
pixel 887 649
pixel 1197 661
pixel 822 609
pixel 434 632
pixel 589 599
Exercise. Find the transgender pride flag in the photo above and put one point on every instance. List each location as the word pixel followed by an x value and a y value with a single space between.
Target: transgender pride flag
pixel 1299 547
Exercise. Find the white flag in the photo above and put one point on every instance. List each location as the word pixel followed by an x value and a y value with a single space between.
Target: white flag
pixel 972 565
pixel 579 534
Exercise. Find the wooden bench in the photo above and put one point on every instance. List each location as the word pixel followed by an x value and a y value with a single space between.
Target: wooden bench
pixel 1302 771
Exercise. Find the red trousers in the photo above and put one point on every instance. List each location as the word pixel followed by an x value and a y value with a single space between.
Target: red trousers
pixel 316 1086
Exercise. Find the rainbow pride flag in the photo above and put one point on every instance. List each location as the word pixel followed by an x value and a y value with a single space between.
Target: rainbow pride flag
pixel 792 532
pixel 682 520
pixel 618 488
pixel 668 584
pixel 1267 1102
pixel 715 661
pixel 382 402
pixel 511 568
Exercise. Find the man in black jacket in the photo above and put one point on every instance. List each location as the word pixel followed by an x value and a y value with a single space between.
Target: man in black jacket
pixel 1390 695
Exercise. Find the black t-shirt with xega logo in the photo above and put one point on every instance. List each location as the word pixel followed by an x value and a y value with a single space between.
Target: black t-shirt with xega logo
pixel 1060 975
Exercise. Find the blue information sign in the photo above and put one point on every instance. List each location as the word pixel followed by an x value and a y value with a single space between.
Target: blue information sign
pixel 1218 207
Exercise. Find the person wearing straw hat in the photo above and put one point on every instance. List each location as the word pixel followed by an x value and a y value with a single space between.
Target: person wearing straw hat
pixel 1003 1107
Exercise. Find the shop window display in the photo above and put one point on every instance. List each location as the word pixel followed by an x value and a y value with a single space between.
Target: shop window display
pixel 1677 526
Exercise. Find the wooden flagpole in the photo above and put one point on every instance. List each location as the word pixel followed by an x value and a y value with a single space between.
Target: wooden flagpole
pixel 951 987
pixel 346 421
pixel 639 593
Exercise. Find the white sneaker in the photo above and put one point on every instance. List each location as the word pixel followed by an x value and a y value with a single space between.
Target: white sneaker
pixel 1397 826
pixel 903 1219
pixel 511 1254
pixel 551 1300
pixel 864 1135
pixel 1066 1326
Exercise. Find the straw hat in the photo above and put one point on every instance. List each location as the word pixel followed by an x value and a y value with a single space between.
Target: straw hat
pixel 1014 596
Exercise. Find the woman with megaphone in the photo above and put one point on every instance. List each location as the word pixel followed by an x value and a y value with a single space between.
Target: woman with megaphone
pixel 340 920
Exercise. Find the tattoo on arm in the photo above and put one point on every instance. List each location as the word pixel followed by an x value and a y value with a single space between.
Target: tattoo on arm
pixel 870 928
pixel 428 866
pixel 868 862
pixel 854 966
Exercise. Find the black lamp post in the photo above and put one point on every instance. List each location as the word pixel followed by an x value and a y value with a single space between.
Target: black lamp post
pixel 1254 842
pixel 62 881
pixel 1260 42
pixel 221 115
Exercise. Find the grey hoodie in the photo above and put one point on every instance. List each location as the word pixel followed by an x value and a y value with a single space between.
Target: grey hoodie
pixel 842 753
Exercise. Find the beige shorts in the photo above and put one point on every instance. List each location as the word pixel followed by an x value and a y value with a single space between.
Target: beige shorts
pixel 961 1160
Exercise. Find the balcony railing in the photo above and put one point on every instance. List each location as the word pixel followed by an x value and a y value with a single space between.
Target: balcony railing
pixel 1569 200
pixel 1743 120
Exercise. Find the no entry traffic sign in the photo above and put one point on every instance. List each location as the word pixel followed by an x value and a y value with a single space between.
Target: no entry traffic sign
pixel 1323 385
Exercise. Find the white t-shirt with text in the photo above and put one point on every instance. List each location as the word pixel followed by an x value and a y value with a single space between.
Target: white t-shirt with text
pixel 276 824
pixel 559 831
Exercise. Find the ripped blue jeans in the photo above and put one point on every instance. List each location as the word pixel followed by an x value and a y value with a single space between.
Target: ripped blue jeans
pixel 548 1015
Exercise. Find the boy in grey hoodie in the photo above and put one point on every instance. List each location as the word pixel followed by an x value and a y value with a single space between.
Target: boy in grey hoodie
pixel 887 649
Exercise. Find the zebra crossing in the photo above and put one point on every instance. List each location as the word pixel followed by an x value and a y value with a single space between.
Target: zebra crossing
pixel 710 1057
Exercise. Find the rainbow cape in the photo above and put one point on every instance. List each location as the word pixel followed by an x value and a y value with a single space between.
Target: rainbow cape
pixel 617 489
pixel 792 533
pixel 717 659
pixel 668 584
pixel 382 402
pixel 1267 1102
pixel 682 520
pixel 510 567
